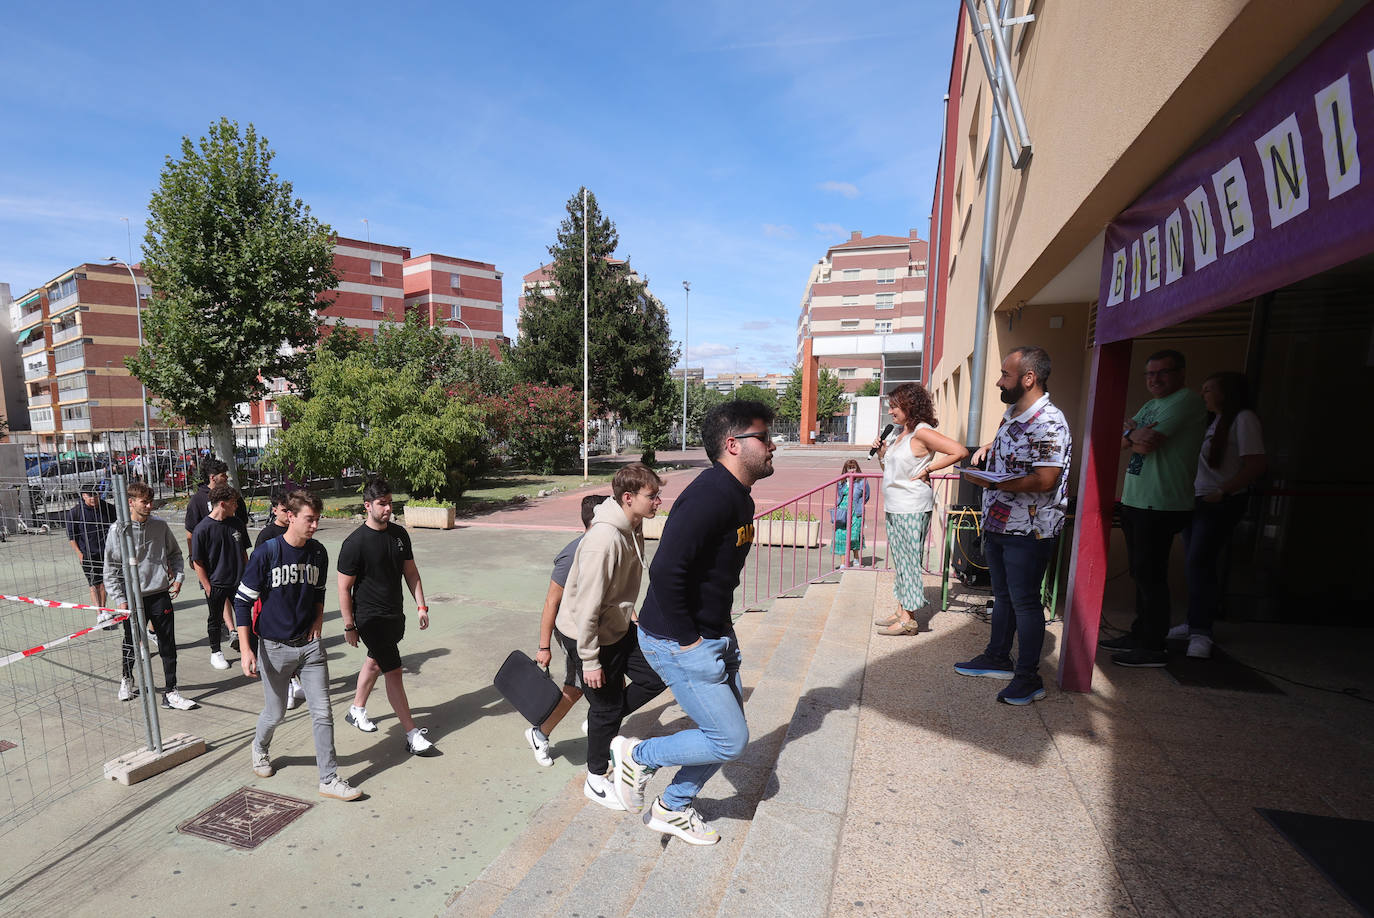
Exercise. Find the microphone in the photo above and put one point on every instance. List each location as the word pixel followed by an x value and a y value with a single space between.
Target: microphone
pixel 886 430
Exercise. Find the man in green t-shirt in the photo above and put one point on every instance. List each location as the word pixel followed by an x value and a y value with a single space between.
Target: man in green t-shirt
pixel 1163 437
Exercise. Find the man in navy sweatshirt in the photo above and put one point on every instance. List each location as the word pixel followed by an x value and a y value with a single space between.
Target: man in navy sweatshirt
pixel 287 574
pixel 685 631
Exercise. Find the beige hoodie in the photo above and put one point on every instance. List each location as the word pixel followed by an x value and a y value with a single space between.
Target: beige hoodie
pixel 599 597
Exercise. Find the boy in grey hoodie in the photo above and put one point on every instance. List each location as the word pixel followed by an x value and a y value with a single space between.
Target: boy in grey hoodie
pixel 159 570
pixel 596 617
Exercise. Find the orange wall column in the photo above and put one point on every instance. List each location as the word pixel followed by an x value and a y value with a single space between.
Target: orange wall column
pixel 810 372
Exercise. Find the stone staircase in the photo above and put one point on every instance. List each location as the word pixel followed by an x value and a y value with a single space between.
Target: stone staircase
pixel 779 809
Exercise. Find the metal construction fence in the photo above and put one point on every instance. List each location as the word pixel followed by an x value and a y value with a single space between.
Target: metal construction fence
pixel 61 718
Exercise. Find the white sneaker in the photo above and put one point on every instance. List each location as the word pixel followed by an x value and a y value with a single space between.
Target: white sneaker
pixel 686 824
pixel 1200 647
pixel 339 789
pixel 262 765
pixel 1178 632
pixel 598 789
pixel 584 728
pixel 173 701
pixel 295 694
pixel 217 660
pixel 126 689
pixel 539 744
pixel 416 744
pixel 358 717
pixel 152 642
pixel 105 621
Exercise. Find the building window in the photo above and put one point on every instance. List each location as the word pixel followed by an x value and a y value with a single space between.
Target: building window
pixel 882 327
pixel 75 413
pixel 849 301
pixel 845 372
pixel 68 383
pixel 887 275
pixel 886 300
pixel 850 274
pixel 877 374
pixel 457 312
pixel 849 323
pixel 376 303
pixel 71 351
pixel 455 281
pixel 376 268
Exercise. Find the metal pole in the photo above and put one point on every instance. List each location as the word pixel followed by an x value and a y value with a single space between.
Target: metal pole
pixel 991 207
pixel 470 334
pixel 139 625
pixel 933 253
pixel 586 354
pixel 138 316
pixel 686 323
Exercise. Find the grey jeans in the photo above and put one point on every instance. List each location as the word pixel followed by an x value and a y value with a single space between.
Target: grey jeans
pixel 277 663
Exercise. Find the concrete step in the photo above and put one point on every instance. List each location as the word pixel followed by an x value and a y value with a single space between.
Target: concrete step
pixel 801 680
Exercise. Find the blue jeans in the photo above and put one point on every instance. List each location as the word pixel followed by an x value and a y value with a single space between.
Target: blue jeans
pixel 1016 566
pixel 1206 537
pixel 705 681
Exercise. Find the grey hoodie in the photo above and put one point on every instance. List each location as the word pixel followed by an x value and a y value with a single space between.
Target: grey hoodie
pixel 599 598
pixel 157 553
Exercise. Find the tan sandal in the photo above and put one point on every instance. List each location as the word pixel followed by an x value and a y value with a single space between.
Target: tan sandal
pixel 892 619
pixel 897 629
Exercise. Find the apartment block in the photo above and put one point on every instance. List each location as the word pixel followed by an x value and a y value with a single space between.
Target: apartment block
pixel 73 334
pixel 864 309
pixel 461 296
pixel 371 288
pixel 729 382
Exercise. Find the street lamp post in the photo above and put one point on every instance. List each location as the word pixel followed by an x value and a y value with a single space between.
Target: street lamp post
pixel 469 331
pixel 686 319
pixel 138 314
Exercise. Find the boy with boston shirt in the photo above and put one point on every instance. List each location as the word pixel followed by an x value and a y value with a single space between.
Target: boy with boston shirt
pixel 372 562
pixel 288 575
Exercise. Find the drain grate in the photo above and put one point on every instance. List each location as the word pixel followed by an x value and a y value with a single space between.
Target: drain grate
pixel 246 818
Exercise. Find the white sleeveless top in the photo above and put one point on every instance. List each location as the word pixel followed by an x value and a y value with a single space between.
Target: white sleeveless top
pixel 900 493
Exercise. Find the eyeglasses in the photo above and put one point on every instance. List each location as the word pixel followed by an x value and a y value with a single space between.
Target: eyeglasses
pixel 757 434
pixel 652 495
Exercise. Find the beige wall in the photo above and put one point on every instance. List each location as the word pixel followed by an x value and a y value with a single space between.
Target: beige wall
pixel 1113 92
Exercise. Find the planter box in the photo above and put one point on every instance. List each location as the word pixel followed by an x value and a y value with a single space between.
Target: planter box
pixel 429 517
pixel 787 533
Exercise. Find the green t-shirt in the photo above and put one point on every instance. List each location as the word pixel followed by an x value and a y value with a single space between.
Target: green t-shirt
pixel 1163 480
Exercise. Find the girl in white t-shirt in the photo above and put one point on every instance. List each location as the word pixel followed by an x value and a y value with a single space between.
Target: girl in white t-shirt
pixel 1231 460
pixel 908 457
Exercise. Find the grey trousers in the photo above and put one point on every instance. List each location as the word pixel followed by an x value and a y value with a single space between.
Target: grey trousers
pixel 277 663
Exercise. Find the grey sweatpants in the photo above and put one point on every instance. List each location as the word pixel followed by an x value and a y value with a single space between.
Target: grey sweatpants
pixel 277 663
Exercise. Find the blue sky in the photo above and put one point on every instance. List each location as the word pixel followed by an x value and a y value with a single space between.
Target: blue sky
pixel 731 143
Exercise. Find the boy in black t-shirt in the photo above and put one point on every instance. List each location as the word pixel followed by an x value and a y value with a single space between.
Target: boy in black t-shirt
pixel 219 552
pixel 372 562
pixel 277 519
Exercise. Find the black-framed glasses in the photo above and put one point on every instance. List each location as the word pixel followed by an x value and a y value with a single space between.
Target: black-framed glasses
pixel 757 434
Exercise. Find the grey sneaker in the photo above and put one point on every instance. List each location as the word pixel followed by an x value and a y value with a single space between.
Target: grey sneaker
pixel 598 789
pixel 1200 647
pixel 1178 632
pixel 539 745
pixel 686 824
pixel 339 789
pixel 262 765
pixel 628 776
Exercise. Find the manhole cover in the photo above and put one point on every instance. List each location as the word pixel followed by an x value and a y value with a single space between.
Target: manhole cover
pixel 246 818
pixel 6 744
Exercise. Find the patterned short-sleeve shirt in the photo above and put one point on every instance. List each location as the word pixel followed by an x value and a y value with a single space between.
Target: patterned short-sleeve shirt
pixel 1036 438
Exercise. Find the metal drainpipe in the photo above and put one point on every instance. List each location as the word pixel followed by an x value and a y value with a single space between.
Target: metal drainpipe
pixel 991 208
pixel 932 256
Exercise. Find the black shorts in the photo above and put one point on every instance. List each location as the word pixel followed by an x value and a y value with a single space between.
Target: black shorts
pixel 94 569
pixel 572 662
pixel 382 637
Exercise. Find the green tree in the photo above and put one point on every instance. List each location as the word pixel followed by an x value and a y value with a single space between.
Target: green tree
pixel 416 343
pixel 542 425
pixel 753 393
pixel 829 401
pixel 237 264
pixel 630 349
pixel 383 419
pixel 872 387
pixel 661 429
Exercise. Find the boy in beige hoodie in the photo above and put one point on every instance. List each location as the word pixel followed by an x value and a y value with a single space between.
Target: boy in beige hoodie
pixel 595 622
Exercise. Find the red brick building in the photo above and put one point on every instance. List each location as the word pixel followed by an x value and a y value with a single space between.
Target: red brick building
pixel 460 295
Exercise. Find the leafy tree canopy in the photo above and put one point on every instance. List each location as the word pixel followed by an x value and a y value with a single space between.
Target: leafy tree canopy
pixel 751 392
pixel 237 264
pixel 872 387
pixel 830 399
pixel 631 351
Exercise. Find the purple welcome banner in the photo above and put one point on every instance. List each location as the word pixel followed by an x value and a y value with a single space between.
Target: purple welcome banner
pixel 1276 198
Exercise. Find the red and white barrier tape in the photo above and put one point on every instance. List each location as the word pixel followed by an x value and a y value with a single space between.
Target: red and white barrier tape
pixel 117 616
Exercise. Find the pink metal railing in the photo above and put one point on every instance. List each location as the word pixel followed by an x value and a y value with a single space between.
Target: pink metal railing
pixel 794 541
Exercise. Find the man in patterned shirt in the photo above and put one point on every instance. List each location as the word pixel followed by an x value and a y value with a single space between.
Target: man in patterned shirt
pixel 1022 519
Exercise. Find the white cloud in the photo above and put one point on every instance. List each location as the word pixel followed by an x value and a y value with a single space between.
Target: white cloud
pixel 704 351
pixel 830 229
pixel 779 231
pixel 848 189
